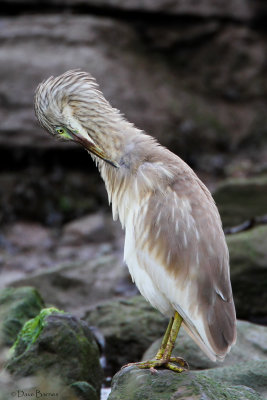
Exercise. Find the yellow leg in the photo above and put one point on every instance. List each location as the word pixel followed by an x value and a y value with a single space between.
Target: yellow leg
pixel 163 357
pixel 170 345
pixel 177 321
pixel 164 342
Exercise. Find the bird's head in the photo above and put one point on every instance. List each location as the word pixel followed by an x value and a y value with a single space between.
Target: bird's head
pixel 72 108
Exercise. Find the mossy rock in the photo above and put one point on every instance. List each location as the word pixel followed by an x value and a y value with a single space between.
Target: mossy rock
pixel 129 327
pixel 61 345
pixel 241 199
pixel 17 305
pixel 252 374
pixel 137 384
pixel 32 329
pixel 248 265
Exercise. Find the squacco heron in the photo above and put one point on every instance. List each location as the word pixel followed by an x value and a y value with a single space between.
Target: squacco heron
pixel 175 247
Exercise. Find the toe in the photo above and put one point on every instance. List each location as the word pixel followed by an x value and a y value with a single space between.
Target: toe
pixel 174 368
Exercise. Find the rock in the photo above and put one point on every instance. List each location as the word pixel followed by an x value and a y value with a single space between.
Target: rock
pixel 178 63
pixel 73 285
pixel 251 345
pixel 236 9
pixel 24 254
pixel 129 327
pixel 85 390
pixel 51 198
pixel 135 384
pixel 251 374
pixel 44 386
pixel 61 345
pixel 81 47
pixel 26 235
pixel 248 259
pixel 17 305
pixel 91 228
pixel 241 199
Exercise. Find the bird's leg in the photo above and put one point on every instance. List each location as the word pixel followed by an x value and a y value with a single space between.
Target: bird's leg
pixel 163 357
pixel 164 342
pixel 166 357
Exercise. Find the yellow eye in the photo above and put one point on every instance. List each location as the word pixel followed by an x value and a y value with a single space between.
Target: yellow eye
pixel 63 132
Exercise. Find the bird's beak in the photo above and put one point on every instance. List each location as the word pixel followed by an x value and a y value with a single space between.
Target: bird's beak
pixel 92 148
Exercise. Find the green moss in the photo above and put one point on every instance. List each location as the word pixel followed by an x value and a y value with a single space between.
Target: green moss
pixel 32 328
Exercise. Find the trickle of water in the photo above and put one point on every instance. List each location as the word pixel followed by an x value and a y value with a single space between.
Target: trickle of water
pixel 105 393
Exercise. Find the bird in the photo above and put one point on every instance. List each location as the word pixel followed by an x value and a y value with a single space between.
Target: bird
pixel 175 247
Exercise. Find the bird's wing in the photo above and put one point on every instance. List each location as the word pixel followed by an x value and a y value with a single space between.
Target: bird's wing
pixel 183 250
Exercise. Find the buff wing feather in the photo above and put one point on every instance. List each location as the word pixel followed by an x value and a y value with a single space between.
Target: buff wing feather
pixel 179 256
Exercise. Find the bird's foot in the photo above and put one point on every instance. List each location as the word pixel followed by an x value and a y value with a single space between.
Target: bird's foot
pixel 163 363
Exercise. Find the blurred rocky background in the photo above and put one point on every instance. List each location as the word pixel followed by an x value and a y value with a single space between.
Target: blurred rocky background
pixel 192 74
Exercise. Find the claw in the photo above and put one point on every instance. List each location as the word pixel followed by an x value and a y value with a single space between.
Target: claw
pixel 153 370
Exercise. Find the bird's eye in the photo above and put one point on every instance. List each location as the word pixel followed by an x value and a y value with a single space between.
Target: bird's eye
pixel 60 130
pixel 63 132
